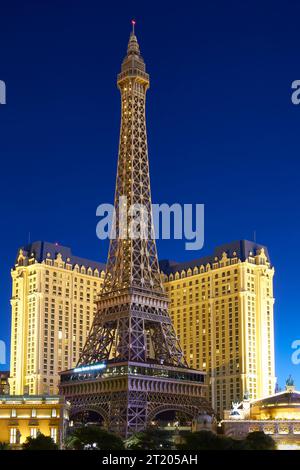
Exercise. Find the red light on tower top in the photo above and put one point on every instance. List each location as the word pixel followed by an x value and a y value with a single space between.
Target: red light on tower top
pixel 133 25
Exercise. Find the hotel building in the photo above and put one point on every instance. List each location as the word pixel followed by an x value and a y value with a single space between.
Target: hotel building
pixel 222 310
pixel 53 306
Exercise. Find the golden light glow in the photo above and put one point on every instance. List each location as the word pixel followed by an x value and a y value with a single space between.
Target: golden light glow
pixel 26 422
pixel 52 311
pixel 223 315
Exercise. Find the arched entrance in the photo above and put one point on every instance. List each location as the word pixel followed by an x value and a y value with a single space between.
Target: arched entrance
pixel 172 418
pixel 87 417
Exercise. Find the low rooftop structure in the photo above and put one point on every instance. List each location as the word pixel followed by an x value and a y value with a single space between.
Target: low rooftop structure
pixel 277 415
pixel 23 416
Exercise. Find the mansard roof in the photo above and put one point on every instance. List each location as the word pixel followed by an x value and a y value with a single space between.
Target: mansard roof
pixel 44 250
pixel 239 248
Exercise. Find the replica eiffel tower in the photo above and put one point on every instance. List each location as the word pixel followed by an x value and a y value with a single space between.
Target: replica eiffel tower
pixel 132 366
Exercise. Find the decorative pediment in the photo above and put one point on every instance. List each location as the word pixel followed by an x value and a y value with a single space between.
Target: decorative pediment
pixel 262 253
pixel 21 257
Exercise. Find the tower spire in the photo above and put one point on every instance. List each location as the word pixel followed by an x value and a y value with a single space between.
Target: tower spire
pixel 133 48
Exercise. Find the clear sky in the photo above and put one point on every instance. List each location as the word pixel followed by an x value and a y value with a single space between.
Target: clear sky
pixel 222 129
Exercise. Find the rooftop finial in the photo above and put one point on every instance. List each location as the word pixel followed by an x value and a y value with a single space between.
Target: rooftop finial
pixel 290 381
pixel 133 25
pixel 290 384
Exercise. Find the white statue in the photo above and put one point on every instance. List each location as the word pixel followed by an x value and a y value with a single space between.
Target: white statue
pixel 235 412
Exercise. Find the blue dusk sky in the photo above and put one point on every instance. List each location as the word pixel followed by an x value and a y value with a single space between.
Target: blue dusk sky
pixel 221 126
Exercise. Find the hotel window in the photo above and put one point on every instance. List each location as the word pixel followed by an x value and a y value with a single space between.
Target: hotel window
pixel 53 434
pixel 53 413
pixel 13 436
pixel 33 413
pixel 13 413
pixel 33 433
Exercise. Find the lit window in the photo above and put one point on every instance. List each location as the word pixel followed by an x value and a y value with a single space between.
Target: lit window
pixel 53 413
pixel 33 433
pixel 13 413
pixel 33 413
pixel 13 436
pixel 53 434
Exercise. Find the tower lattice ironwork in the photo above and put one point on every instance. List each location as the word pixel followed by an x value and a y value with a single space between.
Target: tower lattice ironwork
pixel 132 365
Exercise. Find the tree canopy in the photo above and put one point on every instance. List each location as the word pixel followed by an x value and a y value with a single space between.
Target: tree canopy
pixel 149 439
pixel 93 438
pixel 4 446
pixel 41 442
pixel 207 440
pixel 258 440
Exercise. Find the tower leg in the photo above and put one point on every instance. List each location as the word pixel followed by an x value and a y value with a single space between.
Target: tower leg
pixel 128 413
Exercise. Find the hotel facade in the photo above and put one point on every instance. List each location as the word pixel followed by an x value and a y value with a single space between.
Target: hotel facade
pixel 27 416
pixel 222 310
pixel 53 306
pixel 221 307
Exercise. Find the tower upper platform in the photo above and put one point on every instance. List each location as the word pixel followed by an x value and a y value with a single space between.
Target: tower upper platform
pixel 133 65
